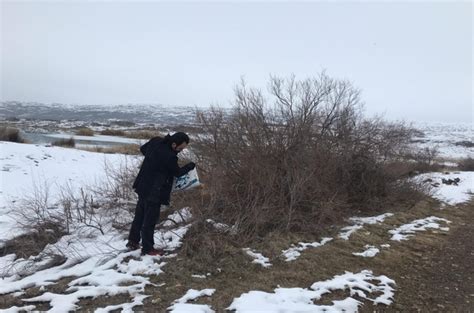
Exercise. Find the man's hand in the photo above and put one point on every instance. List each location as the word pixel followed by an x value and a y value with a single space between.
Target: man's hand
pixel 190 166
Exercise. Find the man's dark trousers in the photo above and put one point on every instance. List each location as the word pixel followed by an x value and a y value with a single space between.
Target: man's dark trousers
pixel 146 216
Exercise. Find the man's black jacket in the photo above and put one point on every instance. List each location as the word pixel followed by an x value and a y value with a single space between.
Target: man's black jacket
pixel 155 178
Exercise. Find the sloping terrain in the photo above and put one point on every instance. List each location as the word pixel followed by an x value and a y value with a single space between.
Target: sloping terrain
pixel 414 258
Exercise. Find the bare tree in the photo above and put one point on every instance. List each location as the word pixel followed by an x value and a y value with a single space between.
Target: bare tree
pixel 278 160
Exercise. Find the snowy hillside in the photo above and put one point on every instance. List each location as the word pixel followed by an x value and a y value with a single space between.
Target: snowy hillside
pixel 143 113
pixel 452 140
pixel 27 169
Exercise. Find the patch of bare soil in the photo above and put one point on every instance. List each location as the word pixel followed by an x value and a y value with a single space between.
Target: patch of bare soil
pixel 439 275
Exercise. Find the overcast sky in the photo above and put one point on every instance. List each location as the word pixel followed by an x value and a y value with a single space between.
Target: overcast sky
pixel 412 60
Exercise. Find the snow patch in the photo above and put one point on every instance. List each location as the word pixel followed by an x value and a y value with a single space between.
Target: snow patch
pixel 125 307
pixel 171 240
pixel 181 216
pixel 198 276
pixel 223 227
pixel 359 222
pixel 370 252
pixel 302 300
pixel 16 309
pixel 405 231
pixel 294 252
pixel 181 305
pixel 451 194
pixel 347 231
pixel 258 258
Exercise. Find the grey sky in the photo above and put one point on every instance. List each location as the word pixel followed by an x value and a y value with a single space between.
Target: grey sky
pixel 412 60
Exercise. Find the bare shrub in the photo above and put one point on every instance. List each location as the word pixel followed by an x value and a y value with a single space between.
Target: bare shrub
pixel 119 197
pixel 32 243
pixel 465 143
pixel 421 160
pixel 211 243
pixel 45 220
pixel 130 149
pixel 85 131
pixel 296 158
pixel 119 180
pixel 427 156
pixel 70 143
pixel 142 134
pixel 36 209
pixel 41 222
pixel 84 212
pixel 78 207
pixel 113 132
pixel 10 134
pixel 467 164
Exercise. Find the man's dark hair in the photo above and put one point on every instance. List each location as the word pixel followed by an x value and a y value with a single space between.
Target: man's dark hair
pixel 178 138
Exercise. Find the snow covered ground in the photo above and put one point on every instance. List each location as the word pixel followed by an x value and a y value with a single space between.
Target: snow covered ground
pixel 93 251
pixel 28 169
pixel 453 193
pixel 99 266
pixel 448 138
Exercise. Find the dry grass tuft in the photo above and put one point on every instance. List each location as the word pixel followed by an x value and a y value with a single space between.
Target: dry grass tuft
pixel 70 143
pixel 34 242
pixel 142 134
pixel 130 149
pixel 113 132
pixel 10 134
pixel 467 164
pixel 85 131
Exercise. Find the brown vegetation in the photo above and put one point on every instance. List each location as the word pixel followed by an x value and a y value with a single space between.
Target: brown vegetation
pixel 85 131
pixel 467 164
pixel 294 160
pixel 142 134
pixel 10 134
pixel 131 149
pixel 70 143
pixel 112 132
pixel 33 243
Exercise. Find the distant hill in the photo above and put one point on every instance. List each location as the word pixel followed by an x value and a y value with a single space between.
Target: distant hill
pixel 138 113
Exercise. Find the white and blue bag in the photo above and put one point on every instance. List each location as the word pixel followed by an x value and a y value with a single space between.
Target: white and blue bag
pixel 187 181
